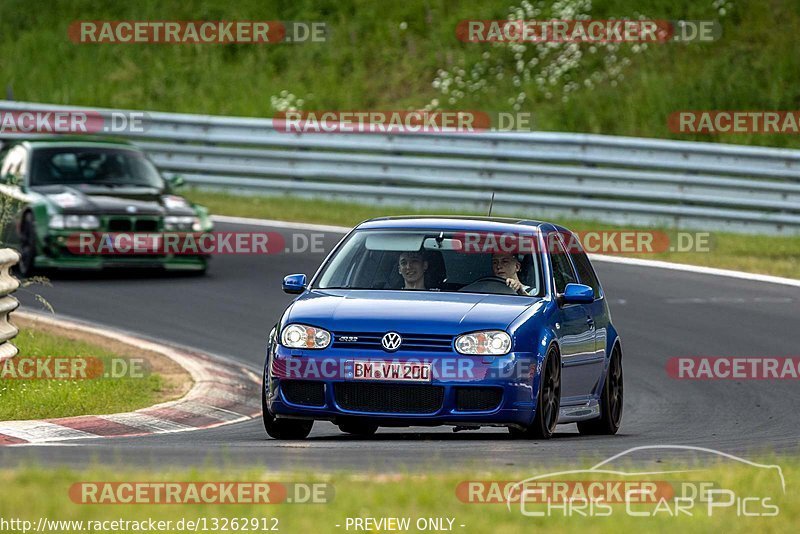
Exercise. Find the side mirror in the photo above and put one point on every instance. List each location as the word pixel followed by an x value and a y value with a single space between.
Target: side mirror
pixel 577 294
pixel 176 181
pixel 294 284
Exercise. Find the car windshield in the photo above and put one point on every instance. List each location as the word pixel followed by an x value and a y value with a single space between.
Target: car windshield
pixel 433 260
pixel 93 165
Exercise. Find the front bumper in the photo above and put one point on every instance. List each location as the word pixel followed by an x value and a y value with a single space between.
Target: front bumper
pixel 54 253
pixel 513 377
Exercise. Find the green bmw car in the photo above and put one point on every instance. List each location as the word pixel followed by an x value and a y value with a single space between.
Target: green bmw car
pixel 54 189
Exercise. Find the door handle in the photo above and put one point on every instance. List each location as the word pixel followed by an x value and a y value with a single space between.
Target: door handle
pixel 590 322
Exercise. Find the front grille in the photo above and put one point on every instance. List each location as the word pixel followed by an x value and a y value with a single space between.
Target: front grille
pixel 475 399
pixel 145 225
pixel 389 398
pixel 305 392
pixel 411 342
pixel 128 224
pixel 119 225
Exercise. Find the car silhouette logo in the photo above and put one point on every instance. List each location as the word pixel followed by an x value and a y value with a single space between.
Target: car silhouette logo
pixel 391 341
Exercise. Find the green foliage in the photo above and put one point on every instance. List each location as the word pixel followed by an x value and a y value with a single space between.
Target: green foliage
pixel 386 55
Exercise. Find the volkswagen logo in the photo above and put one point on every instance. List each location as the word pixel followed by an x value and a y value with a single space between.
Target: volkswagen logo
pixel 391 341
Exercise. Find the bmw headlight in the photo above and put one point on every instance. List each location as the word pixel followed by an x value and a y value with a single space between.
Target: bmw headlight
pixel 89 222
pixel 83 222
pixel 300 336
pixel 490 343
pixel 181 223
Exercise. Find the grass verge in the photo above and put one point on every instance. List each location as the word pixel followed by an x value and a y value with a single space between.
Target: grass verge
pixel 773 255
pixel 32 493
pixel 137 379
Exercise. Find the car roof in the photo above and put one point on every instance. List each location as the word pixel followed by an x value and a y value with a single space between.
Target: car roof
pixel 476 223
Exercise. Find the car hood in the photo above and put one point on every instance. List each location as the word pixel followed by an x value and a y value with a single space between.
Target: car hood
pixel 409 312
pixel 133 200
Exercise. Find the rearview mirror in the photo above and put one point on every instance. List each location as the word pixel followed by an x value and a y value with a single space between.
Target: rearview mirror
pixel 294 283
pixel 577 294
pixel 433 243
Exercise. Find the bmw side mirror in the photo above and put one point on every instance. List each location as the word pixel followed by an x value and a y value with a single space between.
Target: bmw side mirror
pixel 176 181
pixel 294 283
pixel 577 294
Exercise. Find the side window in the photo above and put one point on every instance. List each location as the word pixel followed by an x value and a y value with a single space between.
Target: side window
pixel 562 268
pixel 582 264
pixel 586 272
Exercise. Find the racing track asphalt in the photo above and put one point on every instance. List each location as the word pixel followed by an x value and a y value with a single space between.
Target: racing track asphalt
pixel 660 314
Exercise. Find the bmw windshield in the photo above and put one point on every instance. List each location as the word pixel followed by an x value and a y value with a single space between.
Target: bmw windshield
pixel 432 260
pixel 93 166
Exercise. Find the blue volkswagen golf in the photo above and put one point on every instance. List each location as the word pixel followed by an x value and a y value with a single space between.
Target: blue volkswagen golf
pixel 466 322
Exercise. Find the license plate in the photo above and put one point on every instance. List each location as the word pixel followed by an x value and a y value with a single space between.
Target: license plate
pixel 397 371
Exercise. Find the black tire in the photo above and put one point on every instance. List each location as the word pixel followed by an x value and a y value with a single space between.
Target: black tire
pixel 611 401
pixel 548 401
pixel 358 428
pixel 27 246
pixel 282 428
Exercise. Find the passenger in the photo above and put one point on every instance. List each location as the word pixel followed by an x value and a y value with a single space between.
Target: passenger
pixel 412 267
pixel 507 267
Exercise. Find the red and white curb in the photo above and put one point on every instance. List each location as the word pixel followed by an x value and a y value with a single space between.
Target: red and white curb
pixel 223 392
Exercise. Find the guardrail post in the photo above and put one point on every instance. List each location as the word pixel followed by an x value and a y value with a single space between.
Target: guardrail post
pixel 8 284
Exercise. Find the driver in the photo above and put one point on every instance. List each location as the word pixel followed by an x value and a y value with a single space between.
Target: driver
pixel 507 267
pixel 412 267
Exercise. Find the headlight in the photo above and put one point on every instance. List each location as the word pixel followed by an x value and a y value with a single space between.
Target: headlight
pixel 84 222
pixel 89 222
pixel 181 223
pixel 491 342
pixel 300 336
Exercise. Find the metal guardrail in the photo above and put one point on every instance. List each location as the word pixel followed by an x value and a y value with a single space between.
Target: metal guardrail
pixel 621 180
pixel 8 258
